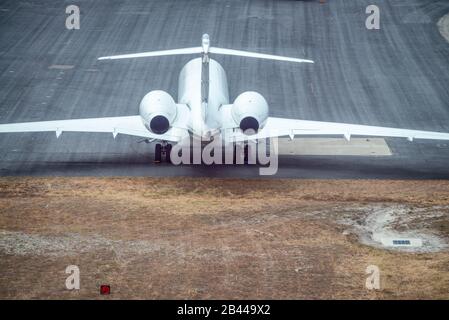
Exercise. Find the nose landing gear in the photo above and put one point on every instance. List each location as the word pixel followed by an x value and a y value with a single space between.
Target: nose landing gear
pixel 162 150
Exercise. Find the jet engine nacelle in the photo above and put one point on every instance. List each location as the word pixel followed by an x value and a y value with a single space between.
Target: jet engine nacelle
pixel 250 111
pixel 158 109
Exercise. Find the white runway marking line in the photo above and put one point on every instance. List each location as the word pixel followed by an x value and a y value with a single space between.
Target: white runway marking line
pixel 61 66
pixel 443 26
pixel 334 147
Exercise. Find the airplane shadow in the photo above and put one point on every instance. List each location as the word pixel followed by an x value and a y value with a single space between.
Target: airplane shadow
pixel 311 167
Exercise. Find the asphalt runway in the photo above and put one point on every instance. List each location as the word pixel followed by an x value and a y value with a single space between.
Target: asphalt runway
pixel 397 76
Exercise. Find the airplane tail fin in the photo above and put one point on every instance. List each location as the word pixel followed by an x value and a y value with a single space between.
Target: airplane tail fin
pixel 205 49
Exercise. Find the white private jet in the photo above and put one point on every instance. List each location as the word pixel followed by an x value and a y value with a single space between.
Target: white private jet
pixel 203 110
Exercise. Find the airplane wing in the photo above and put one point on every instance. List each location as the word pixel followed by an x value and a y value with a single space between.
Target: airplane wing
pixel 278 127
pixel 131 125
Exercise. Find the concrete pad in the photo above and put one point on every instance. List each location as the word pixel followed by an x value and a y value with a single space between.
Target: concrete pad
pixel 334 147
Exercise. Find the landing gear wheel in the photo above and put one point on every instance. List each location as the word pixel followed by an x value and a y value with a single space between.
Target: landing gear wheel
pixel 167 153
pixel 234 157
pixel 240 155
pixel 246 151
pixel 158 153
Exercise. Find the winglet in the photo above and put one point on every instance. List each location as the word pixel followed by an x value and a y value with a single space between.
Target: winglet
pixel 58 133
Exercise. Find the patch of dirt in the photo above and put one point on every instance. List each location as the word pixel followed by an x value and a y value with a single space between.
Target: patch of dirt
pixel 382 223
pixel 177 238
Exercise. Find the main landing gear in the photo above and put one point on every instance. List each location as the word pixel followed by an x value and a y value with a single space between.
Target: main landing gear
pixel 162 150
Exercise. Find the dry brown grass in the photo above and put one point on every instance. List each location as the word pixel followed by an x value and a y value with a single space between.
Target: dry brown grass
pixel 207 238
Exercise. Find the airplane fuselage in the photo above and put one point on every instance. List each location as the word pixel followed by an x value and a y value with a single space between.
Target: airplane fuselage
pixel 203 87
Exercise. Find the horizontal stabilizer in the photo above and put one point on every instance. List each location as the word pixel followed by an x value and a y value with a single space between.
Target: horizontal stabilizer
pixel 240 53
pixel 155 53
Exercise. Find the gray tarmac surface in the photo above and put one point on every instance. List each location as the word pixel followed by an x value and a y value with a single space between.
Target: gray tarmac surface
pixel 397 76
